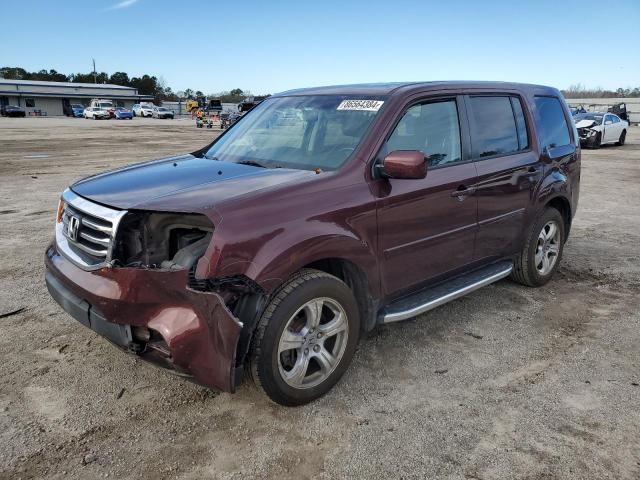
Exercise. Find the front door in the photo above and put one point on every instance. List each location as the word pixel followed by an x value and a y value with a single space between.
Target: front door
pixel 612 130
pixel 427 227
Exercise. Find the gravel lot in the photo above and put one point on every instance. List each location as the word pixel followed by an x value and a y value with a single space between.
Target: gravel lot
pixel 509 382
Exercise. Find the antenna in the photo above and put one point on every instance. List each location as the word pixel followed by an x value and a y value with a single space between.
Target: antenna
pixel 95 77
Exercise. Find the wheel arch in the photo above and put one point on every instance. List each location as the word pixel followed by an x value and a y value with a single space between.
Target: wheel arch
pixel 563 205
pixel 357 280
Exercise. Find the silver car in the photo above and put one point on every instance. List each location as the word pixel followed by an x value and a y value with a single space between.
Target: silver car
pixel 161 112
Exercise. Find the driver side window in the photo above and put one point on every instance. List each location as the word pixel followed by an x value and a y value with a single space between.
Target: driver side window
pixel 431 128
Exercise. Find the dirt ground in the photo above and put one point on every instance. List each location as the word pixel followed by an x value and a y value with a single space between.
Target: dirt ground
pixel 508 382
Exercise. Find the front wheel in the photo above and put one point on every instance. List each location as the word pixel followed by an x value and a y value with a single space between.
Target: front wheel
pixel 622 138
pixel 542 251
pixel 305 339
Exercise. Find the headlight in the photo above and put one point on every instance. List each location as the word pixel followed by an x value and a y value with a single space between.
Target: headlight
pixel 60 210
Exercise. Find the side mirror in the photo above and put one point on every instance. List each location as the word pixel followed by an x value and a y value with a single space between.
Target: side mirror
pixel 409 164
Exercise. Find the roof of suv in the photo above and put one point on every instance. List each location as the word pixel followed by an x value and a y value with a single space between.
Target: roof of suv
pixel 397 87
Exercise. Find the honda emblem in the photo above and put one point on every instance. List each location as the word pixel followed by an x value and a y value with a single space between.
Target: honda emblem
pixel 72 228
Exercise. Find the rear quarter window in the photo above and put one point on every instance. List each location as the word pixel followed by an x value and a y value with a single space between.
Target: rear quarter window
pixel 552 124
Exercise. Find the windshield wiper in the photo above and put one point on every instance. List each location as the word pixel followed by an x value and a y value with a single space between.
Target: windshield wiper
pixel 252 162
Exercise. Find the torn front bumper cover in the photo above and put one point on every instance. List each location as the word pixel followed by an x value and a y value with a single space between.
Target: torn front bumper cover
pixel 199 333
pixel 587 132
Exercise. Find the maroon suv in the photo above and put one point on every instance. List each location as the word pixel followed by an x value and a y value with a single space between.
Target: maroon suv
pixel 320 214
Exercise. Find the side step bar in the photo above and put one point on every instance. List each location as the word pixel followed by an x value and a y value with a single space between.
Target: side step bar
pixel 411 306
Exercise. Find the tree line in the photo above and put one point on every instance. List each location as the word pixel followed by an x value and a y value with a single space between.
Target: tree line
pixel 145 84
pixel 579 91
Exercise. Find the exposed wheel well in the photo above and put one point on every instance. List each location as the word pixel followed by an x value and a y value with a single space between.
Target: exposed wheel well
pixel 357 280
pixel 564 207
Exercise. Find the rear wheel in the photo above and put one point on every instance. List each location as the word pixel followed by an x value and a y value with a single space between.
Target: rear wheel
pixel 622 138
pixel 305 339
pixel 542 252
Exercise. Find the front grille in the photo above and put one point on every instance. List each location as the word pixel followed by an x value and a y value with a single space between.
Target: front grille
pixel 91 235
pixel 86 232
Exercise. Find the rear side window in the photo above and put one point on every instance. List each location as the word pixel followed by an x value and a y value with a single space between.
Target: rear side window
pixel 554 131
pixel 493 127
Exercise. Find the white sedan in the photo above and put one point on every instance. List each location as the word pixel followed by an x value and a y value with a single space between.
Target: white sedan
pixel 595 129
pixel 95 113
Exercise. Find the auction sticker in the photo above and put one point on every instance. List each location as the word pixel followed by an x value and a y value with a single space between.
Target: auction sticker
pixel 362 105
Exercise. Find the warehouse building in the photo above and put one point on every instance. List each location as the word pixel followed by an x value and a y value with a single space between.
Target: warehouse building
pixel 52 98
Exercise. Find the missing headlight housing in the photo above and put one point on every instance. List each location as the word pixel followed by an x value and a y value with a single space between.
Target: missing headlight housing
pixel 161 240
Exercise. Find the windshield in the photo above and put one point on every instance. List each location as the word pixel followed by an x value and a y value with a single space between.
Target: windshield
pixel 306 132
pixel 162 109
pixel 588 116
pixel 106 105
pixel 76 106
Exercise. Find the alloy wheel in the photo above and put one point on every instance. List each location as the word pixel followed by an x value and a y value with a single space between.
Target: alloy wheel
pixel 547 248
pixel 313 343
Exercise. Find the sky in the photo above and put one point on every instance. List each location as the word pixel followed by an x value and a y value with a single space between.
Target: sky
pixel 270 46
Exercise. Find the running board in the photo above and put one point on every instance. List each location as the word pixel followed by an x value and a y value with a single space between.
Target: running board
pixel 409 307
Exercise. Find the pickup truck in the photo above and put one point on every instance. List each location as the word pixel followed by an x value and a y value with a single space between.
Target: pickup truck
pixel 319 215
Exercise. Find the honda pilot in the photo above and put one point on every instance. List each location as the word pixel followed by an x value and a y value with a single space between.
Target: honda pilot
pixel 319 215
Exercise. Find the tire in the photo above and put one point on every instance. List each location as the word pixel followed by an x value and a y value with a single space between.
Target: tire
pixel 597 141
pixel 529 267
pixel 622 138
pixel 314 363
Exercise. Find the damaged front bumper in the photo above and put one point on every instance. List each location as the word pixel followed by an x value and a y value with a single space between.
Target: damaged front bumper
pixel 152 313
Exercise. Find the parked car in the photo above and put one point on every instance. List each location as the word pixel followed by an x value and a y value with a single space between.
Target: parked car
pixel 12 111
pixel 596 129
pixel 161 112
pixel 77 110
pixel 96 113
pixel 104 105
pixel 273 248
pixel 142 110
pixel 121 113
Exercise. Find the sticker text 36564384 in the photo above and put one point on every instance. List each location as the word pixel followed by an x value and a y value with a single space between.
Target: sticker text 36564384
pixel 362 105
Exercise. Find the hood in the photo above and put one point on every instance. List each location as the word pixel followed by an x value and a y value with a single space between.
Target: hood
pixel 185 183
pixel 585 124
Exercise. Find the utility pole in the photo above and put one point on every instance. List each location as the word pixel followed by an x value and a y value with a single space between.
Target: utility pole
pixel 95 77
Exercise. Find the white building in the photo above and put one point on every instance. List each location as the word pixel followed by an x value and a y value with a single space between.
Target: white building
pixel 50 98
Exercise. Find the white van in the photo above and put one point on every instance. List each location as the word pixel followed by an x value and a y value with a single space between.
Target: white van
pixel 102 103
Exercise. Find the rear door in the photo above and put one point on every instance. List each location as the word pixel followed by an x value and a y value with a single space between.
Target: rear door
pixel 508 171
pixel 427 226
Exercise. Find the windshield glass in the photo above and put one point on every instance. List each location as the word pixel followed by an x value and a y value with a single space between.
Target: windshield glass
pixel 306 132
pixel 106 105
pixel 162 109
pixel 588 116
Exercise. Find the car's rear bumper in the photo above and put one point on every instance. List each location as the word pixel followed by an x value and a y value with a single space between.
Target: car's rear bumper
pixel 192 332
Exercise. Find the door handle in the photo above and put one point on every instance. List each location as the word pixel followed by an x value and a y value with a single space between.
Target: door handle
pixel 532 170
pixel 463 191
